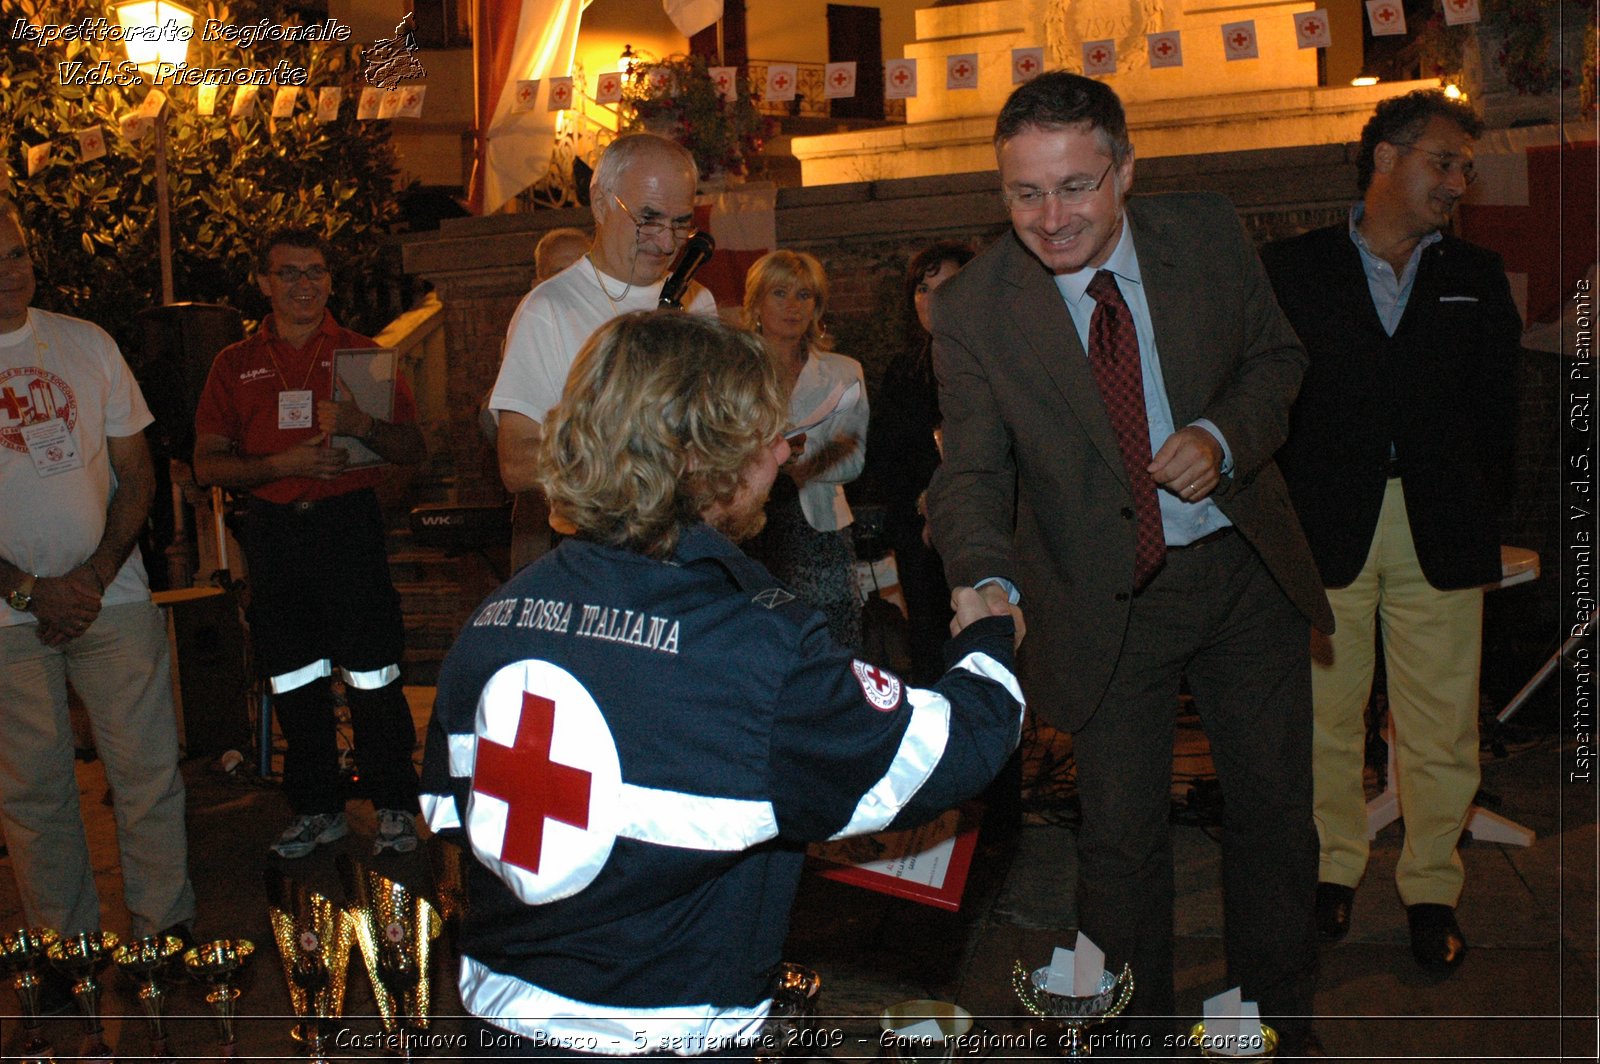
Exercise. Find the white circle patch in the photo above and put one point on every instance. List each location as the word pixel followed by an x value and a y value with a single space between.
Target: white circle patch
pixel 881 687
pixel 546 782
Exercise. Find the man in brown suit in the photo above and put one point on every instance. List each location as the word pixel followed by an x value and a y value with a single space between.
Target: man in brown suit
pixel 1115 377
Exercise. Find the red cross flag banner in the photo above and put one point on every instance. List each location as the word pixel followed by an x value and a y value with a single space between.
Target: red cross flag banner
pixel 838 82
pixel 899 79
pixel 39 154
pixel 133 128
pixel 367 106
pixel 1099 57
pixel 515 41
pixel 780 81
pixel 1165 49
pixel 1461 12
pixel 283 101
pixel 726 80
pixel 546 783
pixel 1026 64
pixel 560 94
pixel 661 80
pixel 411 99
pixel 1547 238
pixel 1239 40
pixel 961 71
pixel 328 100
pixel 1311 29
pixel 389 105
pixel 1386 17
pixel 244 102
pixel 527 95
pixel 91 143
pixel 608 87
pixel 205 101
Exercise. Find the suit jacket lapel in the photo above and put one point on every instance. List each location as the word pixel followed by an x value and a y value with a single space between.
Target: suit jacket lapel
pixel 1048 337
pixel 1168 290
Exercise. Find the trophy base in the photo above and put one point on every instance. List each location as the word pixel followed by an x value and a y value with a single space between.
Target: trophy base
pixel 1263 1047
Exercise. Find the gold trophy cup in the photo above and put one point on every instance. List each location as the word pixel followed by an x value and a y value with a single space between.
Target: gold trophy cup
pixel 314 938
pixel 140 960
pixel 1073 1013
pixel 22 952
pixel 1268 1047
pixel 78 956
pixel 395 928
pixel 216 963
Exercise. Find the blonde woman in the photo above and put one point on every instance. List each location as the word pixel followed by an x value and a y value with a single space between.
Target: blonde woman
pixel 807 543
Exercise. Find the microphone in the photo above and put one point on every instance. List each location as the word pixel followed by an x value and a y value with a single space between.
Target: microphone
pixel 696 252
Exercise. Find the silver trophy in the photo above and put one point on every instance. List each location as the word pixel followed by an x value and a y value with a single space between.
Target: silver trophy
pixel 314 938
pixel 216 964
pixel 1075 1014
pixel 140 960
pixel 78 956
pixel 395 928
pixel 22 952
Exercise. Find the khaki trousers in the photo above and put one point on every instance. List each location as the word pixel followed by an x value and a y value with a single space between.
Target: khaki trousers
pixel 1432 646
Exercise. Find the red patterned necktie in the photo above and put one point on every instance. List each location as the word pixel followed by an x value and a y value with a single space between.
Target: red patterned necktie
pixel 1114 357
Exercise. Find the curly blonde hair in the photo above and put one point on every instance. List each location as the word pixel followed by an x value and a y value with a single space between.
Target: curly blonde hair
pixel 787 268
pixel 661 416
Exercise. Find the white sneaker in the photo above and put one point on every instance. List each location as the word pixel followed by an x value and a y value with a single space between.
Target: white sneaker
pixel 397 831
pixel 306 833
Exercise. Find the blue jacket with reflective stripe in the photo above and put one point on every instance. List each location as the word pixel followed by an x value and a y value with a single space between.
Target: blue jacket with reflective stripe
pixel 714 682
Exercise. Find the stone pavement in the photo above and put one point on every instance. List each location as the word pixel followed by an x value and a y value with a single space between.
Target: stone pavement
pixel 1527 991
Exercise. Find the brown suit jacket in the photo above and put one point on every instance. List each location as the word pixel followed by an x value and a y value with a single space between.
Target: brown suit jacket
pixel 1033 487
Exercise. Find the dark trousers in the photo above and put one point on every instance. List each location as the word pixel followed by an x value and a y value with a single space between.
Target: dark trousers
pixel 320 591
pixel 1215 616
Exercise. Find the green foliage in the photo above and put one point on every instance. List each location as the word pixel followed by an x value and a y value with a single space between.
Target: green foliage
pixel 93 223
pixel 676 98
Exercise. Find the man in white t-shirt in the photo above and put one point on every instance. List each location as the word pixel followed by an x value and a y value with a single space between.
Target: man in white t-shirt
pixel 76 483
pixel 642 196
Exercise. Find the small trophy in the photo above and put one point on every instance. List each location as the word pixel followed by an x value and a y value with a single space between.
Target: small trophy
pixel 1232 1029
pixel 21 954
pixel 793 1014
pixel 140 960
pixel 920 1032
pixel 1074 1013
pixel 314 938
pixel 78 956
pixel 215 964
pixel 395 928
pixel 1268 1045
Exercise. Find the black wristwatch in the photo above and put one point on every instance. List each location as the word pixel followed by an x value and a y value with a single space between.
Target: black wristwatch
pixel 22 597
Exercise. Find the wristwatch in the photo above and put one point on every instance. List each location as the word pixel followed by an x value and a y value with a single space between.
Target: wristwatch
pixel 22 597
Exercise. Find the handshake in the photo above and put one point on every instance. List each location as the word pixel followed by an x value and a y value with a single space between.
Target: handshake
pixel 990 601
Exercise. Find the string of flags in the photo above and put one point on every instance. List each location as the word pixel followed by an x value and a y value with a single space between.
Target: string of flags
pixel 1163 50
pixel 373 104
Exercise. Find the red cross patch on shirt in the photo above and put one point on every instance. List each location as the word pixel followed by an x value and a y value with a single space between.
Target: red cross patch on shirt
pixel 881 687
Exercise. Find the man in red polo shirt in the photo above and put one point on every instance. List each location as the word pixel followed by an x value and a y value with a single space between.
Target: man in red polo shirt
pixel 320 594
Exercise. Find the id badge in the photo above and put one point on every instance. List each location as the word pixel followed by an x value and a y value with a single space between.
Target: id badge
pixel 295 409
pixel 52 448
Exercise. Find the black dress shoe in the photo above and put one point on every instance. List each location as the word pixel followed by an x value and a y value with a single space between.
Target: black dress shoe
pixel 1436 939
pixel 1333 910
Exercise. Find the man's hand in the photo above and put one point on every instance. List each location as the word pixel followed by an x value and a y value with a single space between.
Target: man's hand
pixel 312 458
pixel 1189 464
pixel 990 600
pixel 343 419
pixel 65 605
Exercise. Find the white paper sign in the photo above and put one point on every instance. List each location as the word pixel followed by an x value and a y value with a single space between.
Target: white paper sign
pixel 961 71
pixel 726 79
pixel 839 81
pixel 1166 49
pixel 91 143
pixel 780 81
pixel 527 95
pixel 899 79
pixel 328 100
pixel 283 101
pixel 560 94
pixel 1026 64
pixel 1311 29
pixel 1100 57
pixel 609 88
pixel 1461 12
pixel 1239 40
pixel 1386 17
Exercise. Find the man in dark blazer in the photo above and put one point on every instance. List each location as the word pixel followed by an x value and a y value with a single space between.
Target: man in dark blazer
pixel 1141 555
pixel 1396 457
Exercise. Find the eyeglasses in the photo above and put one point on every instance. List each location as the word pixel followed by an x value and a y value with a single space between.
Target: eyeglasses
pixel 653 229
pixel 1446 163
pixel 1034 199
pixel 293 275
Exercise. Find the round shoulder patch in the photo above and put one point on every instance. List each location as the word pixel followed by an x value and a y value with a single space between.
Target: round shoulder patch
pixel 880 687
pixel 546 782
